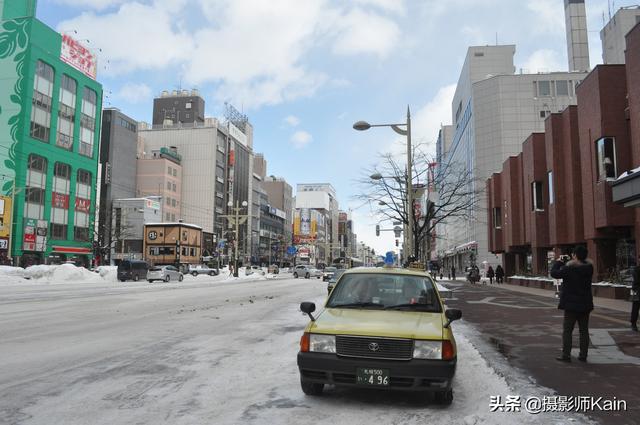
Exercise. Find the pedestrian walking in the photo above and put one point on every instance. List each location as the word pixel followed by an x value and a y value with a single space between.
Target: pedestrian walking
pixel 576 299
pixel 499 274
pixel 635 297
pixel 490 275
pixel 453 273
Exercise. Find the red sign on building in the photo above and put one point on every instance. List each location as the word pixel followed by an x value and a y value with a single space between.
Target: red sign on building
pixel 59 200
pixel 78 56
pixel 83 205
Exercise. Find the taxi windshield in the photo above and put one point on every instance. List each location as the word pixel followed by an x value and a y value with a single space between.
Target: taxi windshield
pixel 385 292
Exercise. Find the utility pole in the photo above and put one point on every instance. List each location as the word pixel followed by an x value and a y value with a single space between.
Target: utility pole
pixel 236 220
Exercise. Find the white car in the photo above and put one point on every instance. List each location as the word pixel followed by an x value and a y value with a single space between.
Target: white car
pixel 307 272
pixel 164 273
pixel 202 269
pixel 254 270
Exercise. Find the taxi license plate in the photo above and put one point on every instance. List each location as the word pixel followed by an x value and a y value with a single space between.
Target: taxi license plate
pixel 376 377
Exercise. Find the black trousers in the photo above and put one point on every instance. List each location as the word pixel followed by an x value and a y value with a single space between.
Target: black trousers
pixel 570 319
pixel 635 307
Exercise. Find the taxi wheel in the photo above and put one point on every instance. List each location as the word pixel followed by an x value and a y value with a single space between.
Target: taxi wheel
pixel 311 388
pixel 444 398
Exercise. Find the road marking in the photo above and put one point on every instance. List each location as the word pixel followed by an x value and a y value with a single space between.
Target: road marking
pixel 489 301
pixel 605 350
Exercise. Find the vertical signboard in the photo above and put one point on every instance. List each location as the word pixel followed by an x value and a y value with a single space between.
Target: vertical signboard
pixel 29 238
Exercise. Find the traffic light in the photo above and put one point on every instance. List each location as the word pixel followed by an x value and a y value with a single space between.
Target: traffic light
pixel 397 243
pixel 377 230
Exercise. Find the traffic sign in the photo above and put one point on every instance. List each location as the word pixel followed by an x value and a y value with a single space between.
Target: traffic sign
pixel 291 250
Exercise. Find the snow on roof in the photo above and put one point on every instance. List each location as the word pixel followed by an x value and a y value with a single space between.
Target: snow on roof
pixel 174 223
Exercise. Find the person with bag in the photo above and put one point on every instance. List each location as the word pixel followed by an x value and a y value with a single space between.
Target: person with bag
pixel 635 297
pixel 576 299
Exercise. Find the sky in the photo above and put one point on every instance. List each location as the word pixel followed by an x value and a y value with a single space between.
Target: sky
pixel 304 71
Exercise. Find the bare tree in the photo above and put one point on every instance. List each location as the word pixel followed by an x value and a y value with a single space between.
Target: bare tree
pixel 453 190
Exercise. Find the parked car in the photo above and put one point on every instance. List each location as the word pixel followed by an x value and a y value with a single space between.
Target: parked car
pixel 273 269
pixel 334 279
pixel 202 269
pixel 384 329
pixel 165 273
pixel 328 272
pixel 132 270
pixel 306 271
pixel 254 270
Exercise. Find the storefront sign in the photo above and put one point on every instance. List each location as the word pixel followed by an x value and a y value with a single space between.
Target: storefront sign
pixel 58 200
pixel 78 56
pixel 29 238
pixel 83 205
pixel 5 216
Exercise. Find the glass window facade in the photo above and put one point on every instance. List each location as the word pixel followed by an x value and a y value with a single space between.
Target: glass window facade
pixel 41 102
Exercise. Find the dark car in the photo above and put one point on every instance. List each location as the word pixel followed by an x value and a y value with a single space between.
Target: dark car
pixel 132 270
pixel 334 279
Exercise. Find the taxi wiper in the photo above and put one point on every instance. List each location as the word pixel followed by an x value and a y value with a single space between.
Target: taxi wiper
pixel 413 305
pixel 354 305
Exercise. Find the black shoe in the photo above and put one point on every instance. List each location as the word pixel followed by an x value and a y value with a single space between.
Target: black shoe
pixel 583 359
pixel 634 328
pixel 564 359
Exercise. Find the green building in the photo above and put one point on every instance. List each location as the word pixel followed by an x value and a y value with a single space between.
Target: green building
pixel 50 109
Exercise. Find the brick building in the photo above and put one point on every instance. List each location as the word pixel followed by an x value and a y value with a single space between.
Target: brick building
pixel 557 193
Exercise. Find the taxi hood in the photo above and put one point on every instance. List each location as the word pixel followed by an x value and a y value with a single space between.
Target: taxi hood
pixel 391 323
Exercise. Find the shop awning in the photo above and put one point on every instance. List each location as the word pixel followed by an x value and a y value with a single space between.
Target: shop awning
pixel 71 250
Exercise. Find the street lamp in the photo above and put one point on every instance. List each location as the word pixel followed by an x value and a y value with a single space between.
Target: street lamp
pixel 236 220
pixel 362 126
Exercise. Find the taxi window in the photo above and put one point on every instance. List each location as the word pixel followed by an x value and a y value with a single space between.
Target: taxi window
pixel 381 291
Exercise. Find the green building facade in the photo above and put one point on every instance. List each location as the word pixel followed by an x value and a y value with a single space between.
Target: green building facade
pixel 50 110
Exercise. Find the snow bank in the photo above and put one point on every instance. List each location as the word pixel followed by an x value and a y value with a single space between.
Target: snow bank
pixel 64 273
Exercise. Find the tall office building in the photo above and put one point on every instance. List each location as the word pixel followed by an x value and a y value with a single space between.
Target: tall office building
pixel 575 16
pixel 118 153
pixel 316 221
pixel 613 34
pixel 493 111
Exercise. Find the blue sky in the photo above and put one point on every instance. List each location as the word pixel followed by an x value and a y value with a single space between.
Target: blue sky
pixel 305 70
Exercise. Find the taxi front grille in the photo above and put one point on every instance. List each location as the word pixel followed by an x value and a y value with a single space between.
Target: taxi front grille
pixel 374 348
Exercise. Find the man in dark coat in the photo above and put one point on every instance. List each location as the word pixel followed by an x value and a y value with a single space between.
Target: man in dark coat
pixel 453 272
pixel 499 274
pixel 635 305
pixel 576 299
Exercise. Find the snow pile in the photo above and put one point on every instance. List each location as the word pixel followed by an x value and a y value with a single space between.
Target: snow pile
pixel 64 273
pixel 546 279
pixel 9 274
pixel 108 273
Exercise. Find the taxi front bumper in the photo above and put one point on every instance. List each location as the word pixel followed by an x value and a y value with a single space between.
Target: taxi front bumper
pixel 409 375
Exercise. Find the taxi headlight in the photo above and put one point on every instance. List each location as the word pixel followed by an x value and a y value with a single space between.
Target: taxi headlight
pixel 322 343
pixel 427 350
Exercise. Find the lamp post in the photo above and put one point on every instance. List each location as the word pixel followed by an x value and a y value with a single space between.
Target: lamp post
pixel 363 125
pixel 236 220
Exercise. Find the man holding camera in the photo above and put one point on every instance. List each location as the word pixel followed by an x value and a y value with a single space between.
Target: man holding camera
pixel 576 299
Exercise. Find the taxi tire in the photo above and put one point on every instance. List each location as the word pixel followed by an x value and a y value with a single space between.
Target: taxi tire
pixel 444 398
pixel 311 388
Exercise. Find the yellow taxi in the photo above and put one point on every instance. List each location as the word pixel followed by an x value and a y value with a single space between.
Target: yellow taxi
pixel 380 328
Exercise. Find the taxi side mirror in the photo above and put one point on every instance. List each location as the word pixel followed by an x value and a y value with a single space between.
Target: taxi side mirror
pixel 452 314
pixel 308 308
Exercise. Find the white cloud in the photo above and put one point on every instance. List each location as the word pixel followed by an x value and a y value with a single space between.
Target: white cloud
pixel 135 37
pixel 134 93
pixel 254 51
pixel 549 16
pixel 365 32
pixel 543 60
pixel 292 120
pixel 300 139
pixel 396 6
pixel 93 4
pixel 428 119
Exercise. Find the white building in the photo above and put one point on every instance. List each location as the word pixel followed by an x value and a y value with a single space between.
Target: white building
pixel 127 226
pixel 613 34
pixel 493 111
pixel 321 197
